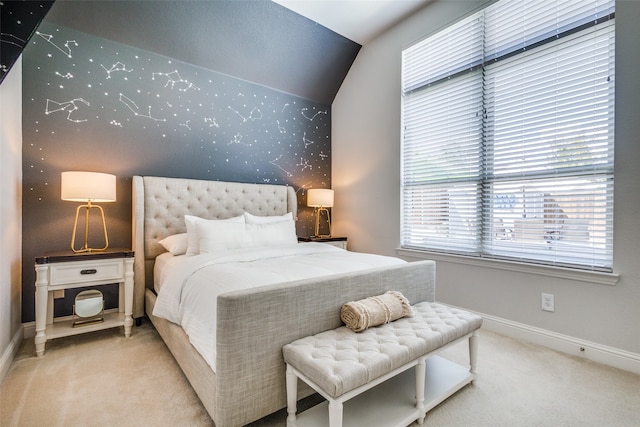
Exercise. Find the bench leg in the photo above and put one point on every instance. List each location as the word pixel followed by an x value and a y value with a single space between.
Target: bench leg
pixel 420 380
pixel 335 413
pixel 292 396
pixel 473 353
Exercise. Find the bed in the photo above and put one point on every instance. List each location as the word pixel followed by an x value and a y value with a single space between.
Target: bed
pixel 241 377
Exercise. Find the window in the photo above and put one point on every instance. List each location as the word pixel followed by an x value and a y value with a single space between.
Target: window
pixel 508 131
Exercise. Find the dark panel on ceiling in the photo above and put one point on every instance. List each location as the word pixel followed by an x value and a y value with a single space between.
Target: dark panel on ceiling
pixel 18 22
pixel 258 40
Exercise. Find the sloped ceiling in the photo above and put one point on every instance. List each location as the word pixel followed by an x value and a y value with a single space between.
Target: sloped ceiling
pixel 357 20
pixel 259 41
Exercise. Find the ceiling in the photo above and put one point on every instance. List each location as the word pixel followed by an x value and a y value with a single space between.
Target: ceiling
pixel 358 20
pixel 302 47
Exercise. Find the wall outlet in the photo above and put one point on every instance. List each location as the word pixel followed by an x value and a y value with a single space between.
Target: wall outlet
pixel 547 303
pixel 58 294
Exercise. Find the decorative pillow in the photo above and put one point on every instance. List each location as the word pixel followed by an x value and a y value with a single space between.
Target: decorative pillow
pixel 255 219
pixel 216 236
pixel 176 243
pixel 375 311
pixel 193 246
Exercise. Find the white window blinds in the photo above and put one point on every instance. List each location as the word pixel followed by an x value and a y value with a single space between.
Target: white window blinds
pixel 507 144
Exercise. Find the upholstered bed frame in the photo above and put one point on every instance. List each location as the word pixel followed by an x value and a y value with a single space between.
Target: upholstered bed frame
pixel 252 324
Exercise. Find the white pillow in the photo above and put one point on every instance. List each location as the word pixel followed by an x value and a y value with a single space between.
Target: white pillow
pixel 272 233
pixel 176 243
pixel 254 219
pixel 217 237
pixel 190 221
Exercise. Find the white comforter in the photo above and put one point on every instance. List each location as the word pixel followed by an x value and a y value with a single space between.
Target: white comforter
pixel 189 285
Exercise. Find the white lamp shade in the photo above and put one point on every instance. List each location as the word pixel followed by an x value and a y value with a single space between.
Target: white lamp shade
pixel 320 197
pixel 85 186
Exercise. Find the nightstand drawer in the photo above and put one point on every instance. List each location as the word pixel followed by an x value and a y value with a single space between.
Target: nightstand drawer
pixel 89 271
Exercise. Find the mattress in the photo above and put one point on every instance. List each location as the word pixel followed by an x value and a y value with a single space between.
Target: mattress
pixel 188 286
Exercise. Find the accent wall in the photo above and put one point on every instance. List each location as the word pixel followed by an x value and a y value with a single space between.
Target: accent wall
pixel 97 105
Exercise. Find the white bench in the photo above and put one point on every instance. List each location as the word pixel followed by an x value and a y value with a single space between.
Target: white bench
pixel 341 364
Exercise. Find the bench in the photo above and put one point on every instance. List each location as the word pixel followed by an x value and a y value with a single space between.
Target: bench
pixel 341 364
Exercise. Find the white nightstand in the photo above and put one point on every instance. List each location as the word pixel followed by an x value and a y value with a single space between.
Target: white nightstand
pixel 67 270
pixel 340 242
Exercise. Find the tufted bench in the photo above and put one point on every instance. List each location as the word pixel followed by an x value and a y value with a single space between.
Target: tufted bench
pixel 341 364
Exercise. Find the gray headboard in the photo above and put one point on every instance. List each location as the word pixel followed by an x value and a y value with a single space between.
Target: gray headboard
pixel 160 204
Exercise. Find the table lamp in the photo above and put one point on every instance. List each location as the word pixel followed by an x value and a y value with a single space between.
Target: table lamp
pixel 320 199
pixel 88 187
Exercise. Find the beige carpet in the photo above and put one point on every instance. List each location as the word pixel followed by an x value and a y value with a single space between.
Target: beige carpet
pixel 103 379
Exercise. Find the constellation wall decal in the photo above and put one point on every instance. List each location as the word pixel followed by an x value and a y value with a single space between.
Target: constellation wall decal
pixel 303 187
pixel 304 113
pixel 237 139
pixel 254 115
pixel 12 39
pixel 306 141
pixel 118 66
pixel 64 76
pixel 70 107
pixel 275 161
pixel 134 109
pixel 211 121
pixel 211 126
pixel 304 164
pixel 67 49
pixel 174 78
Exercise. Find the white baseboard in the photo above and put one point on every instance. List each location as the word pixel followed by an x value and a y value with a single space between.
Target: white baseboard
pixel 10 353
pixel 610 356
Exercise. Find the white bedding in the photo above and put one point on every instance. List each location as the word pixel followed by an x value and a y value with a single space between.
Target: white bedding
pixel 189 285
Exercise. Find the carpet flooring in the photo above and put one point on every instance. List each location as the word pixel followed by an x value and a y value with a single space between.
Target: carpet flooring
pixel 104 379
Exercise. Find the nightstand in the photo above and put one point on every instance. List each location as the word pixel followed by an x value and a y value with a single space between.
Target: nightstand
pixel 340 242
pixel 67 270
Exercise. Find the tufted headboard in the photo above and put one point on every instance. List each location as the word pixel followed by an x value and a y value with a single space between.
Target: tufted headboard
pixel 160 204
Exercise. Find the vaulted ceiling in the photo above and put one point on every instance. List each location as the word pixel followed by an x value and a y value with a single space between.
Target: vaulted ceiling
pixel 304 48
pixel 357 20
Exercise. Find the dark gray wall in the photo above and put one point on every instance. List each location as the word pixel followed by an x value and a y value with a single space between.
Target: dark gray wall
pixel 90 103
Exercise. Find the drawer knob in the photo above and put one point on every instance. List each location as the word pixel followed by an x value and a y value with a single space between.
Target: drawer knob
pixel 89 271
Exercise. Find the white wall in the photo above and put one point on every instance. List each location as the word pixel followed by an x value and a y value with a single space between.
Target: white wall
pixel 10 215
pixel 366 171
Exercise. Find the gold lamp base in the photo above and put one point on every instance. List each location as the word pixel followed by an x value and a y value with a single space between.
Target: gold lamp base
pixel 86 247
pixel 318 212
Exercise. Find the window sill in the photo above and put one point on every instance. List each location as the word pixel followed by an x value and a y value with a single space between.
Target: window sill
pixel 601 278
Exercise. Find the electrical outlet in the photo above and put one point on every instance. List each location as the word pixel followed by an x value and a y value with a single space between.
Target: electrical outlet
pixel 58 293
pixel 547 303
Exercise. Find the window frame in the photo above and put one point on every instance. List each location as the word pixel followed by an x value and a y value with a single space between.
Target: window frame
pixel 485 180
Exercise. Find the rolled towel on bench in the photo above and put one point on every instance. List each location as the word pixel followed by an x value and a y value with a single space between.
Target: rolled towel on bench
pixel 375 311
